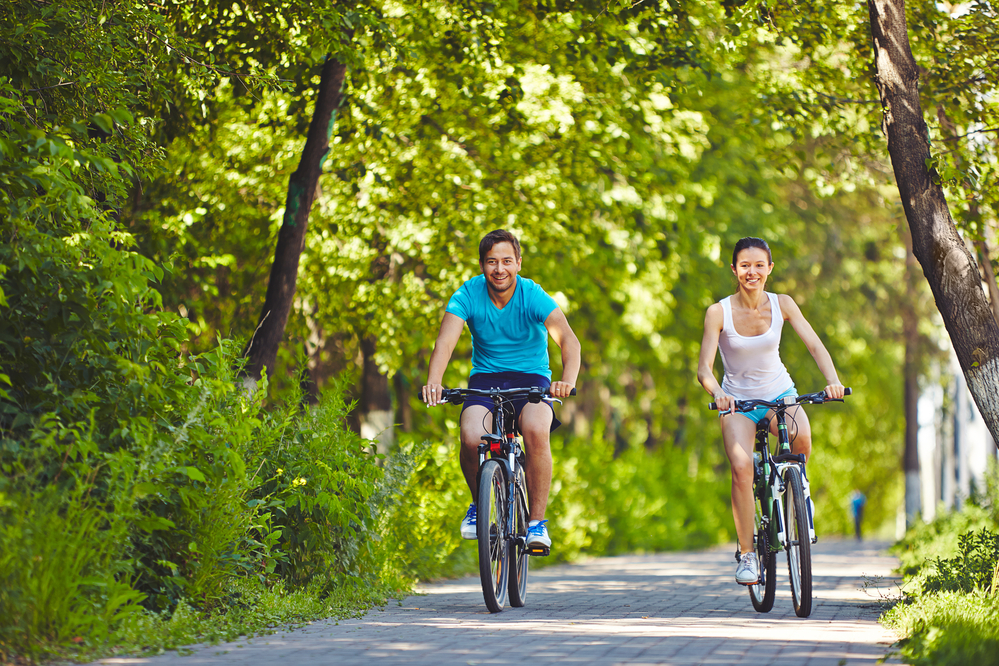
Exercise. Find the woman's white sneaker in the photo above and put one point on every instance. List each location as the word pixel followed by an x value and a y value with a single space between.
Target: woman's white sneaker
pixel 748 571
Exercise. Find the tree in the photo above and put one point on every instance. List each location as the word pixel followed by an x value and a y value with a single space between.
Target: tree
pixel 262 349
pixel 949 267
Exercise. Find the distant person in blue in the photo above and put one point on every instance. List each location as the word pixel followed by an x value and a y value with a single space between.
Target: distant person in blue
pixel 857 502
pixel 510 318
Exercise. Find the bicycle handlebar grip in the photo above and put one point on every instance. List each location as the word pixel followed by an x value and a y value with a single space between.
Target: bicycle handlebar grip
pixel 572 392
pixel 848 391
pixel 712 406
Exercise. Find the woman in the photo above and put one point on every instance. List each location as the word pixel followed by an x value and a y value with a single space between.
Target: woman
pixel 747 326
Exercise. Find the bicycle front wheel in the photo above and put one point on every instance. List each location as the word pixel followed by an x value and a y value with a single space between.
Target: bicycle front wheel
pixel 490 526
pixel 799 551
pixel 519 558
pixel 762 594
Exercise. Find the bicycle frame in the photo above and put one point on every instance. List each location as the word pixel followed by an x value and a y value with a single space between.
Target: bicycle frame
pixel 503 446
pixel 768 479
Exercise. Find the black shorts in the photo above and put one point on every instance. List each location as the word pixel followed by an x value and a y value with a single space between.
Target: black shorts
pixel 507 380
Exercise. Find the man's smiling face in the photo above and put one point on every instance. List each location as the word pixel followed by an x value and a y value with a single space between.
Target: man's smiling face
pixel 500 267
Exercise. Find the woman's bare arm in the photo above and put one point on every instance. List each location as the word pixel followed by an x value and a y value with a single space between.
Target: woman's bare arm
pixel 792 313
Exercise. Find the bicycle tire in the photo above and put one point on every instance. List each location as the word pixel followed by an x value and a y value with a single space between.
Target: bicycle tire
pixel 519 559
pixel 799 551
pixel 762 594
pixel 490 527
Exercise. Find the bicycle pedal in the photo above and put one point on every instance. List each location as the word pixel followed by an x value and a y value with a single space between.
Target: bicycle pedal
pixel 538 551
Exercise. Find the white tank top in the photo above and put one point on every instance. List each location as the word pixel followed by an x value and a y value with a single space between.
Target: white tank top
pixel 753 369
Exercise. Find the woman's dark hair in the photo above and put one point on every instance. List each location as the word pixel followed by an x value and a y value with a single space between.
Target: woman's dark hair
pixel 494 237
pixel 748 242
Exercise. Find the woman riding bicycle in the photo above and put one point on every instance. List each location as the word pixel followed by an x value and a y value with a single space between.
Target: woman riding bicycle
pixel 746 327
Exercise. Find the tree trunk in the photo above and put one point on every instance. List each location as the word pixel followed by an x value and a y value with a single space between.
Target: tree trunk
pixel 403 397
pixel 910 327
pixel 375 405
pixel 261 352
pixel 988 275
pixel 981 245
pixel 949 268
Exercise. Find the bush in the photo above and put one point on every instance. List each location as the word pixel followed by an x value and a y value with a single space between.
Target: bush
pixel 951 568
pixel 948 629
pixel 971 570
pixel 138 480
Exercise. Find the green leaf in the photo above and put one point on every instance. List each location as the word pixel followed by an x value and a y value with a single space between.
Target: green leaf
pixel 103 121
pixel 194 473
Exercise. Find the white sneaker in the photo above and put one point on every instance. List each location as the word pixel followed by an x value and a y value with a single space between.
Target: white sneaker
pixel 748 571
pixel 468 524
pixel 537 534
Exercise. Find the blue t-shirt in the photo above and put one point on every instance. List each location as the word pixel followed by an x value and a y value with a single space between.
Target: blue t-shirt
pixel 513 339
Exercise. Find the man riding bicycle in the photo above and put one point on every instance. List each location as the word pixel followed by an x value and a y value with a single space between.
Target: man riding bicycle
pixel 510 318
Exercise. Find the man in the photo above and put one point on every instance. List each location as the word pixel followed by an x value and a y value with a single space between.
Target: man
pixel 510 318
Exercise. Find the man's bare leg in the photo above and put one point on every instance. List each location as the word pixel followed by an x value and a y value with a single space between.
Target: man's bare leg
pixel 474 421
pixel 535 425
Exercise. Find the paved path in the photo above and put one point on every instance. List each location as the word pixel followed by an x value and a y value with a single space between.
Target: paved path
pixel 670 608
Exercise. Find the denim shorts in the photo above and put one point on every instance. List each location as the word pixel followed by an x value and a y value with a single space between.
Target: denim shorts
pixel 760 413
pixel 507 380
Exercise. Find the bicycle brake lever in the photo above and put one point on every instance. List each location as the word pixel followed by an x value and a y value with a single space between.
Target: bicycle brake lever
pixel 550 400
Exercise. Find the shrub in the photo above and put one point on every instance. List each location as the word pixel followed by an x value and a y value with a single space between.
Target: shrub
pixel 136 478
pixel 948 629
pixel 972 569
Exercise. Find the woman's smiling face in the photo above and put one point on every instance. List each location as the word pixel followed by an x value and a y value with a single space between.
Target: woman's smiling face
pixel 752 266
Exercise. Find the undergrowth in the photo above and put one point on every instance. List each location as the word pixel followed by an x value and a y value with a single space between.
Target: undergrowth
pixel 951 587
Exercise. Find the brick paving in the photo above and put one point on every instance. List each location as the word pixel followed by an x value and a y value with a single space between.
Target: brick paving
pixel 668 608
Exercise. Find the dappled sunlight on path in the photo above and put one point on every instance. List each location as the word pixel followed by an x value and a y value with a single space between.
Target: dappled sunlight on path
pixel 668 608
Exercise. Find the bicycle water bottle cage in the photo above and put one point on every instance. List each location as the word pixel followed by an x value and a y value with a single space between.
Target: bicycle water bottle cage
pixel 534 395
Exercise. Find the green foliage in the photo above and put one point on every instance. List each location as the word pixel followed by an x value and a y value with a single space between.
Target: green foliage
pixel 927 542
pixel 948 629
pixel 973 567
pixel 952 587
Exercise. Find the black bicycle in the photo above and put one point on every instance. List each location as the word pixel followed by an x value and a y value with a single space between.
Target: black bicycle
pixel 502 512
pixel 784 517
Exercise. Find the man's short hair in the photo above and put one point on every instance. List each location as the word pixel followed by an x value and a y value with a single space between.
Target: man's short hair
pixel 494 237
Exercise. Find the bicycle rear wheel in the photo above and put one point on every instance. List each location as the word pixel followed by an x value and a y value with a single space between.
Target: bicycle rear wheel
pixel 519 558
pixel 490 525
pixel 762 594
pixel 799 551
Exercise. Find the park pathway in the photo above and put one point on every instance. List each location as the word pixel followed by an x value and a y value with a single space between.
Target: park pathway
pixel 669 608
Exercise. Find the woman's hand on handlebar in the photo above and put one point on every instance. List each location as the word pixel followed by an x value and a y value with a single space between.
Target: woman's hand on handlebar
pixel 724 402
pixel 560 389
pixel 432 394
pixel 835 391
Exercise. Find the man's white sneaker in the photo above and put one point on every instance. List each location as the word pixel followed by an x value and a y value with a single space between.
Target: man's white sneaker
pixel 537 534
pixel 748 571
pixel 468 524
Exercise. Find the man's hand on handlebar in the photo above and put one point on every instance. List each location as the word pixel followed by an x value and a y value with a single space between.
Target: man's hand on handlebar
pixel 560 389
pixel 433 394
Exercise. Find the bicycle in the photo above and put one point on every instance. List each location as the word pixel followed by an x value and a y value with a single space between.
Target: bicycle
pixel 501 506
pixel 784 515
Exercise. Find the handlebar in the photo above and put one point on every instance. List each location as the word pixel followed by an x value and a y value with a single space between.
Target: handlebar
pixel 807 399
pixel 456 396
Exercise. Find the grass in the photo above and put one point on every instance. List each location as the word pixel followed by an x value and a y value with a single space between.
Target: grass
pixel 948 629
pixel 252 610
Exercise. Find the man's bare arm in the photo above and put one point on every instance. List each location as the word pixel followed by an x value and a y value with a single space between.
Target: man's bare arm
pixel 451 328
pixel 558 327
